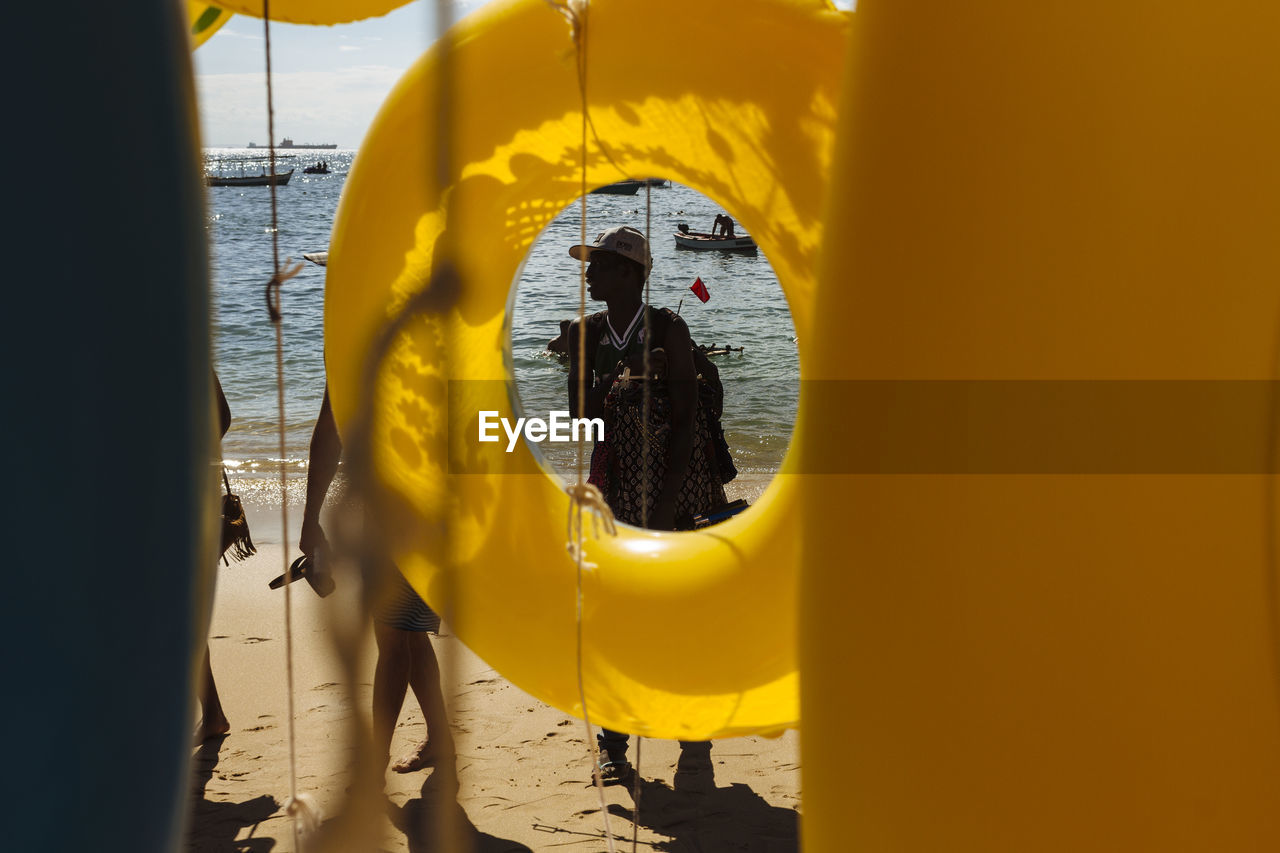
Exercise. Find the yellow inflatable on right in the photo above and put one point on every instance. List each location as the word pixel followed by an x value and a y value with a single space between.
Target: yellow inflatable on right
pixel 1053 625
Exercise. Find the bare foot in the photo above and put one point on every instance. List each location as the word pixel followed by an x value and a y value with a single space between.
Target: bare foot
pixel 423 755
pixel 208 730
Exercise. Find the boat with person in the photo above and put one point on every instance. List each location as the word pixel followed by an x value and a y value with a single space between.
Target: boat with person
pixel 702 240
pixel 316 169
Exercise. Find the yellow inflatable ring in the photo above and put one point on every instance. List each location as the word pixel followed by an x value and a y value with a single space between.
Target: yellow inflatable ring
pixel 314 11
pixel 685 635
pixel 205 20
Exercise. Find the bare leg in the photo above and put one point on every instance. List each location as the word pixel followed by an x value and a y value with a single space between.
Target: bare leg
pixel 390 683
pixel 424 678
pixel 213 722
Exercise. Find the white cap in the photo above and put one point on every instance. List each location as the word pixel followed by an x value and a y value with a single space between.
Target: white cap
pixel 623 240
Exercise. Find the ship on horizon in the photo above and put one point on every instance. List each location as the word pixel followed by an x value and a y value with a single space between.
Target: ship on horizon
pixel 289 143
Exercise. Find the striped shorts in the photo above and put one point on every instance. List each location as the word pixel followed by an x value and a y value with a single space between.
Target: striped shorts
pixel 397 605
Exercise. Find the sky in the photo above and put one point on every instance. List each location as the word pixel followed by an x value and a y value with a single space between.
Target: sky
pixel 327 82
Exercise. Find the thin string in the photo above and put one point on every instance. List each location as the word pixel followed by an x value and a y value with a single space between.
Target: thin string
pixel 644 481
pixel 635 799
pixel 648 372
pixel 299 808
pixel 449 829
pixel 583 497
pixel 1271 507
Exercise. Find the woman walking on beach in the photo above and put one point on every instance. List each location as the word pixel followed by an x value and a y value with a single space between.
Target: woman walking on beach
pixel 401 620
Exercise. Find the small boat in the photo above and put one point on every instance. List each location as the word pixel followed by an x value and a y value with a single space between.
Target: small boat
pixel 700 240
pixel 318 169
pixel 712 349
pixel 620 188
pixel 318 258
pixel 263 180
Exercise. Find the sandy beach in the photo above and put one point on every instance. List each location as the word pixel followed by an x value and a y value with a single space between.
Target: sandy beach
pixel 522 775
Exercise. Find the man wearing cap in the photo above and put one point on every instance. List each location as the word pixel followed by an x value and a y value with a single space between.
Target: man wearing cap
pixel 652 468
pixel 618 265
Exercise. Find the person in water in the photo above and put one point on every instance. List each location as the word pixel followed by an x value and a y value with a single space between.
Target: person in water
pixel 560 343
pixel 401 620
pixel 661 483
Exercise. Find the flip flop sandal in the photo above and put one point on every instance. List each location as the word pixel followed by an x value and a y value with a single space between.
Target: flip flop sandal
pixel 305 567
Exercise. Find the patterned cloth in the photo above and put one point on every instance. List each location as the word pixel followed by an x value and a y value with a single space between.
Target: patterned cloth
pixel 633 478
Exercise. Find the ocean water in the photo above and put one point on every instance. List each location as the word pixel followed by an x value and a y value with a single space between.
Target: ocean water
pixel 747 309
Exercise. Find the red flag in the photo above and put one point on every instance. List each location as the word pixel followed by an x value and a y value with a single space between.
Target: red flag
pixel 700 290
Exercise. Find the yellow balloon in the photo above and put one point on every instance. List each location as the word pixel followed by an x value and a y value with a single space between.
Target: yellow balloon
pixel 205 21
pixel 685 635
pixel 1055 624
pixel 314 11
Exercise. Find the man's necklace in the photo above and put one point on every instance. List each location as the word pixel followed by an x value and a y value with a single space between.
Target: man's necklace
pixel 620 341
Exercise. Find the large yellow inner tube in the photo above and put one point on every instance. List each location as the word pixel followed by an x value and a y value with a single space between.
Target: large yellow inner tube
pixel 685 635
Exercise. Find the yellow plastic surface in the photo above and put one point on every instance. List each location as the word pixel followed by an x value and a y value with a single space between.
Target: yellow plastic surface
pixel 1039 661
pixel 205 21
pixel 685 635
pixel 314 11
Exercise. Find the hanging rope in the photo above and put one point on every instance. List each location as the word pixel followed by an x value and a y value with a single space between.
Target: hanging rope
pixel 1271 506
pixel 301 808
pixel 584 497
pixel 646 402
pixel 445 278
